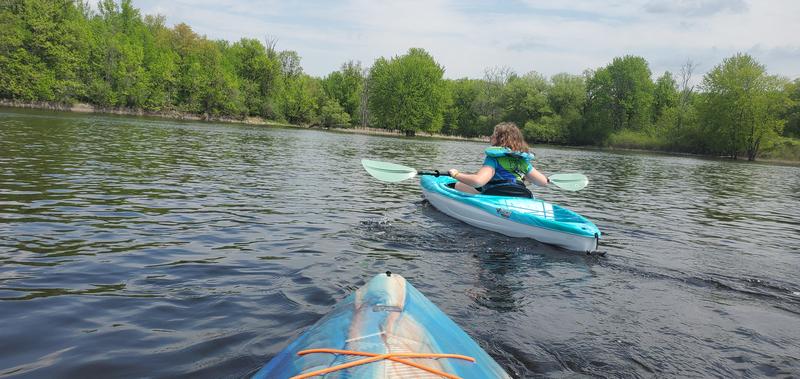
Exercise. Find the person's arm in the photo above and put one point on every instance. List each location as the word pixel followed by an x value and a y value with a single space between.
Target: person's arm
pixel 537 177
pixel 483 176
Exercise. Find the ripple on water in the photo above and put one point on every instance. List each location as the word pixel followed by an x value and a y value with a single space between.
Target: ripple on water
pixel 151 248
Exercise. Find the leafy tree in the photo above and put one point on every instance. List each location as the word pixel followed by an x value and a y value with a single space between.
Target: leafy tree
pixel 332 114
pixel 119 53
pixel 792 113
pixel 407 92
pixel 206 85
pixel 619 96
pixel 259 76
pixel 599 117
pixel 566 97
pixel 525 98
pixel 548 129
pixel 632 92
pixel 461 117
pixel 345 87
pixel 567 93
pixel 489 103
pixel 740 107
pixel 20 70
pixel 161 65
pixel 665 95
pixel 301 97
pixel 43 45
pixel 687 96
pixel 290 63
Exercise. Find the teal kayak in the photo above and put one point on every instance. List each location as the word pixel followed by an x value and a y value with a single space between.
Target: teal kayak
pixel 385 329
pixel 513 216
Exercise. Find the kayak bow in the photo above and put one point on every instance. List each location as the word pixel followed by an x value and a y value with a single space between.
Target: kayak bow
pixel 386 329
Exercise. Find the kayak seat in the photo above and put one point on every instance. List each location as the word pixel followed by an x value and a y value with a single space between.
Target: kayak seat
pixel 504 189
pixel 513 190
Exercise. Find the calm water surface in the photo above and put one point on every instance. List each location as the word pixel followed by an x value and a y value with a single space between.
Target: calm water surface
pixel 150 248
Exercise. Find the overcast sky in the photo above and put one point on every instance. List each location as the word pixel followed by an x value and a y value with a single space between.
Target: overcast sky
pixel 467 36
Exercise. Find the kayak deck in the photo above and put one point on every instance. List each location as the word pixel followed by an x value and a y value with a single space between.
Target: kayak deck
pixel 385 316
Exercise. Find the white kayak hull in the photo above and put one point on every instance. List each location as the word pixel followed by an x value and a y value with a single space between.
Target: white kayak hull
pixel 514 217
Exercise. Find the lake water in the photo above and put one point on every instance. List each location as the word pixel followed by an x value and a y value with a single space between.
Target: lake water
pixel 133 247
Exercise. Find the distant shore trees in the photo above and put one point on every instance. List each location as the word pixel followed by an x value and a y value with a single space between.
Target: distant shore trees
pixel 66 52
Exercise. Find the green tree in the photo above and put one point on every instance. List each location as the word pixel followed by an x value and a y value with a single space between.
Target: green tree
pixel 332 114
pixel 23 75
pixel 632 92
pixel 345 87
pixel 408 93
pixel 619 96
pixel 460 117
pixel 259 76
pixel 665 95
pixel 290 63
pixel 599 120
pixel 206 84
pixel 44 49
pixel 489 103
pixel 548 129
pixel 792 113
pixel 741 106
pixel 524 98
pixel 161 65
pixel 301 99
pixel 566 97
pixel 567 94
pixel 118 55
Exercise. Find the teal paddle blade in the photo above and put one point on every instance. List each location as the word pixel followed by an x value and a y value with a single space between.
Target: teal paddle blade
pixel 388 172
pixel 569 182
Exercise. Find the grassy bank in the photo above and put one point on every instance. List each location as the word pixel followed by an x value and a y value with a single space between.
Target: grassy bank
pixel 781 149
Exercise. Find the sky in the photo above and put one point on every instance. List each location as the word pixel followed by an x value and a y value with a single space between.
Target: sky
pixel 469 36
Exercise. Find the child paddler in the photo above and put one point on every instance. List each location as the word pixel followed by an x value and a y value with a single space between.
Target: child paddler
pixel 507 165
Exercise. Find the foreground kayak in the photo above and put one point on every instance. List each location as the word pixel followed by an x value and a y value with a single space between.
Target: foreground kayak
pixel 513 216
pixel 385 316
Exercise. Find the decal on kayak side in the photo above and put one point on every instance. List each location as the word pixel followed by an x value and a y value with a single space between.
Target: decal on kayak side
pixel 504 212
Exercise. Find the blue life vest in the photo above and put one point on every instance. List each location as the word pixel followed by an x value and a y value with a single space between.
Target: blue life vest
pixel 500 151
pixel 510 166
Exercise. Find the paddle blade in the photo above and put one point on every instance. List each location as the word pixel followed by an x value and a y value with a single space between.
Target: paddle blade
pixel 569 182
pixel 388 172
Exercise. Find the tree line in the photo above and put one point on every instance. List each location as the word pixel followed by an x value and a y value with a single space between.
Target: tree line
pixel 64 51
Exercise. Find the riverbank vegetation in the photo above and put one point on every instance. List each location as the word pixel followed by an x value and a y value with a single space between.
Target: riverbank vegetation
pixel 64 51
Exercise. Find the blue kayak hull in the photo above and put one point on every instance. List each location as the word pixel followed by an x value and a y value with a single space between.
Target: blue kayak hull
pixel 386 315
pixel 513 216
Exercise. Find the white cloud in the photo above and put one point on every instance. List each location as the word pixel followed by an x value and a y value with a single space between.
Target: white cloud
pixel 695 8
pixel 469 35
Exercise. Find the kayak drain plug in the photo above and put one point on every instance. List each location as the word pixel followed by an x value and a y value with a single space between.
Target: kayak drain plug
pixel 388 273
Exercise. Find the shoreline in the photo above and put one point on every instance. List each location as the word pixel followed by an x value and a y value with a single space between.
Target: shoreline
pixel 258 121
pixel 172 115
pixel 611 149
pixel 185 116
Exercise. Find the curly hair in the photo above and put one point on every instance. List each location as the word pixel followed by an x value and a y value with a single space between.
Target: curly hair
pixel 507 134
